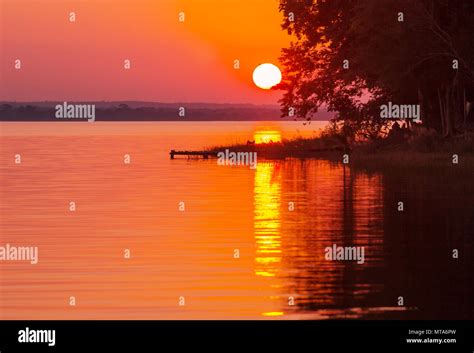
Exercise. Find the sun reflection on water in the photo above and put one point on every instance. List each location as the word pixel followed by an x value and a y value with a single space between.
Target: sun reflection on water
pixel 267 219
pixel 267 136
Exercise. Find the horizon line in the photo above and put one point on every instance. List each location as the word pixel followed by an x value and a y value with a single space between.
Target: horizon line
pixel 134 101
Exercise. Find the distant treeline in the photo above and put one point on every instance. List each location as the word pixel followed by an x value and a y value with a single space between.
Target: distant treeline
pixel 132 111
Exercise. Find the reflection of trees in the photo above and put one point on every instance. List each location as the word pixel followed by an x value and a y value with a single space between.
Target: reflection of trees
pixel 406 253
pixel 333 205
pixel 419 242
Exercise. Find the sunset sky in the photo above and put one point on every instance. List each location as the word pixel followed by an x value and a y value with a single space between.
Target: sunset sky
pixel 171 61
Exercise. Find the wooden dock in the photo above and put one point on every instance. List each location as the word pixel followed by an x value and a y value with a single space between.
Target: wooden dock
pixel 203 154
pixel 268 153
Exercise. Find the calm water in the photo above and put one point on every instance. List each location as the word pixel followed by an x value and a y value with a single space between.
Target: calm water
pixel 190 254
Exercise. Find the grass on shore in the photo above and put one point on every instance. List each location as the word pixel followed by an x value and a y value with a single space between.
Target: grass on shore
pixel 418 152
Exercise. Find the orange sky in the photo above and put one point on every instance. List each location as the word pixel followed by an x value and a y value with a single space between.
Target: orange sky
pixel 172 61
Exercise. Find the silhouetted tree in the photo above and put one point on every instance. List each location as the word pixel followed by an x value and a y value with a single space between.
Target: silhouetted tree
pixel 354 55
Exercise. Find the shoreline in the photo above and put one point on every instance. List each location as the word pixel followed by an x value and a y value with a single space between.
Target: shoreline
pixel 366 156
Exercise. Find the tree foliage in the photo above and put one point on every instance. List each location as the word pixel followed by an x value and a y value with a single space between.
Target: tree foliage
pixel 351 56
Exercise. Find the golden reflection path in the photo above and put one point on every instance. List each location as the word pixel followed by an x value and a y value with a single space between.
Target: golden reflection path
pixel 267 224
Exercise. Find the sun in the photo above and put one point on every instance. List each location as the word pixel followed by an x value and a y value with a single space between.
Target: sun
pixel 265 76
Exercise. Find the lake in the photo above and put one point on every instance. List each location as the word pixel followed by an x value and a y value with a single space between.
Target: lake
pixel 190 239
